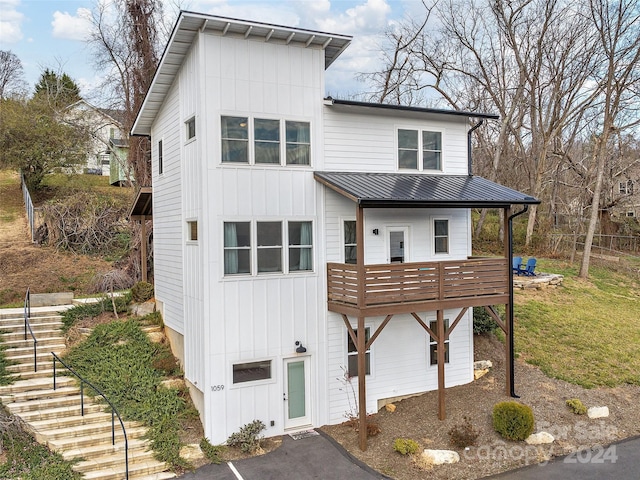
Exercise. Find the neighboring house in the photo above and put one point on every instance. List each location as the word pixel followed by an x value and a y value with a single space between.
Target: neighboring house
pixel 291 231
pixel 109 144
pixel 626 193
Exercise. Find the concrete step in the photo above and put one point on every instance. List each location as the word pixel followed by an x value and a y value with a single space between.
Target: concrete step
pixel 31 395
pixel 39 383
pixel 12 353
pixel 25 371
pixel 17 408
pixel 113 460
pixel 93 451
pixel 85 430
pixel 42 356
pixel 56 412
pixel 136 471
pixel 42 342
pixel 46 332
pixel 44 426
pixel 13 313
pixel 33 321
pixel 45 363
pixel 104 438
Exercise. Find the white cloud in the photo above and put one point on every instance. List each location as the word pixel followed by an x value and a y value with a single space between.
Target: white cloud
pixel 10 21
pixel 72 27
pixel 258 11
pixel 369 17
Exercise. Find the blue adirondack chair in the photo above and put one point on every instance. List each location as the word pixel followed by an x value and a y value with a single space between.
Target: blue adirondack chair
pixel 529 269
pixel 517 265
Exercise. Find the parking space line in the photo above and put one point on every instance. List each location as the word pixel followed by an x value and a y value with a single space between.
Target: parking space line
pixel 235 472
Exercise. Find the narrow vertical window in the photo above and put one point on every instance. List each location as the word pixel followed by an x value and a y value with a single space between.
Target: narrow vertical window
pixel 300 246
pixel 266 140
pixel 192 230
pixel 235 139
pixel 269 245
pixel 350 250
pixel 441 236
pixel 191 128
pixel 352 354
pixel 408 149
pixel 431 151
pixel 160 164
pixel 237 248
pixel 433 345
pixel 298 136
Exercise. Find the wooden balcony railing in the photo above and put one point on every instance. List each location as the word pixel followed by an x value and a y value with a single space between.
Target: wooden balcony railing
pixel 401 287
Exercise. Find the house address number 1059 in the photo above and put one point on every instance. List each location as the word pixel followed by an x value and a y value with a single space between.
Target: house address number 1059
pixel 217 388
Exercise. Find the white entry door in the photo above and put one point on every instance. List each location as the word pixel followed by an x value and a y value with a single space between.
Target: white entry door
pixel 398 249
pixel 297 393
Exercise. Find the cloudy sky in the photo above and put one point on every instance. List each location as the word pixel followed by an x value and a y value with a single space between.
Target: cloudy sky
pixel 51 34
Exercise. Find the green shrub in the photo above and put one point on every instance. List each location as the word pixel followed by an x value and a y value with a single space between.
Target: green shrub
pixel 248 438
pixel 576 406
pixel 405 446
pixel 463 435
pixel 513 420
pixel 90 310
pixel 142 291
pixel 212 452
pixel 483 322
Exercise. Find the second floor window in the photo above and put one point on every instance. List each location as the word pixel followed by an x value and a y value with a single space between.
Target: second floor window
pixel 626 188
pixel 350 250
pixel 441 236
pixel 419 150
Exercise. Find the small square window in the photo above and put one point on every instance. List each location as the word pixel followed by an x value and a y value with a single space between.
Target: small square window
pixel 193 230
pixel 191 128
pixel 252 371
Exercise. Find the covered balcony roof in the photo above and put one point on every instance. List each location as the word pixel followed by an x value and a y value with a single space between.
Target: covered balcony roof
pixel 392 190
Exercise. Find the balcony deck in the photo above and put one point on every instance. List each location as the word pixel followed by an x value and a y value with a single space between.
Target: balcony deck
pixel 418 286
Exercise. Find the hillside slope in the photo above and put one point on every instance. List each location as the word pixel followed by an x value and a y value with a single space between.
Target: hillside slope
pixel 23 264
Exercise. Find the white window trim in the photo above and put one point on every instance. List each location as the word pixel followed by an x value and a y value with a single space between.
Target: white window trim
pixel 252 142
pixel 254 383
pixel 284 224
pixel 432 235
pixel 420 149
pixel 372 330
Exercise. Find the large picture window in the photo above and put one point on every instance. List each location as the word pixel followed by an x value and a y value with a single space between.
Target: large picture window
pixel 235 139
pixel 237 248
pixel 269 247
pixel 251 371
pixel 419 150
pixel 352 354
pixel 300 246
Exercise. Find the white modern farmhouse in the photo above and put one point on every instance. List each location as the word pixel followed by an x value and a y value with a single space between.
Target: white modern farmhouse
pixel 302 242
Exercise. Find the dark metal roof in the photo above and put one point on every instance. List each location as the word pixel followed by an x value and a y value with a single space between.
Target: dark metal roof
pixel 421 190
pixel 187 27
pixel 404 108
pixel 142 205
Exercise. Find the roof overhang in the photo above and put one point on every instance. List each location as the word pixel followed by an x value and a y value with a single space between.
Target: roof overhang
pixel 142 204
pixel 409 190
pixel 187 27
pixel 389 108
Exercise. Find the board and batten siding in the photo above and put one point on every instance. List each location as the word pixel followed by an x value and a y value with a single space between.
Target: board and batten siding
pixel 368 143
pixel 167 212
pixel 259 317
pixel 192 196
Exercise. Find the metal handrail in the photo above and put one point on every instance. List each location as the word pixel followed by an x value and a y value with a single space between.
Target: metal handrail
pixel 27 326
pixel 114 411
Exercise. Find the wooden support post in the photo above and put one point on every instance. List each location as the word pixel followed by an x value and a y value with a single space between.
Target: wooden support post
pixel 143 248
pixel 507 318
pixel 441 357
pixel 362 391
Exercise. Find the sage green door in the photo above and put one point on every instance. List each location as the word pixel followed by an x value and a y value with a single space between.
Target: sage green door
pixel 297 392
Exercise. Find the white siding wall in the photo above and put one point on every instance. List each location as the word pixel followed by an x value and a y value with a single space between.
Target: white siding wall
pixel 399 357
pixel 368 142
pixel 167 212
pixel 252 318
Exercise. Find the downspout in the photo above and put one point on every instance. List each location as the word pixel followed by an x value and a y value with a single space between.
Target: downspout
pixel 511 353
pixel 470 166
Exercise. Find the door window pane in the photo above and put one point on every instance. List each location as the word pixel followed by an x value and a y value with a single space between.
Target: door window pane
pixel 267 140
pixel 269 247
pixel 396 247
pixel 296 389
pixel 235 139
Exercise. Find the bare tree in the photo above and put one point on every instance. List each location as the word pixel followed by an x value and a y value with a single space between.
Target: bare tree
pixel 618 28
pixel 11 74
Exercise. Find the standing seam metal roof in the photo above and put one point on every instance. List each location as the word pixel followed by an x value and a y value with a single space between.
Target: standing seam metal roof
pixel 421 190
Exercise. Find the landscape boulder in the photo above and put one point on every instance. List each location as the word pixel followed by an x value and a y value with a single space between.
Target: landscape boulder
pixel 191 452
pixel 440 457
pixel 539 438
pixel 598 412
